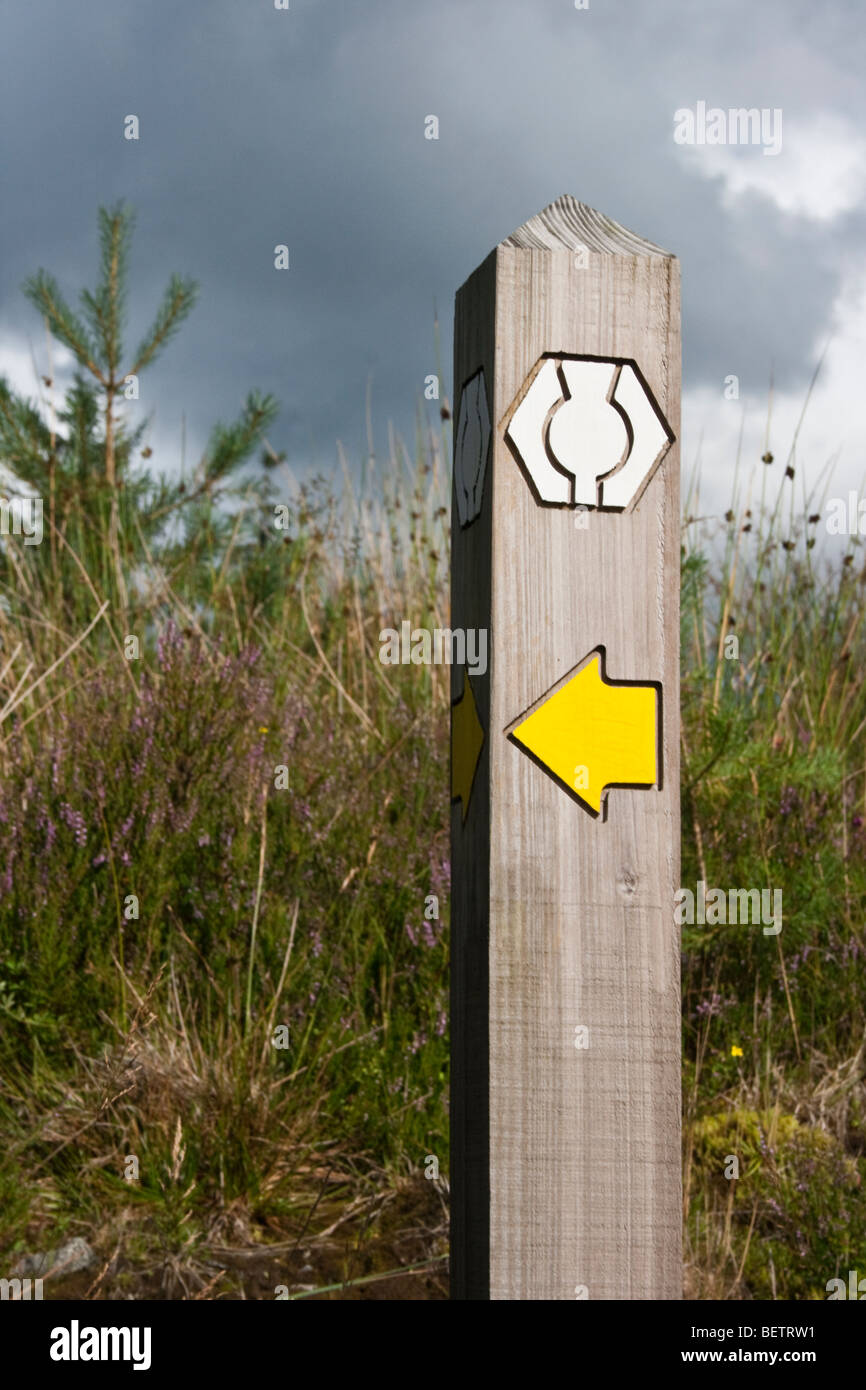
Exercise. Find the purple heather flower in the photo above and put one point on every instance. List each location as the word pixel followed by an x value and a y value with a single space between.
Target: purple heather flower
pixel 75 820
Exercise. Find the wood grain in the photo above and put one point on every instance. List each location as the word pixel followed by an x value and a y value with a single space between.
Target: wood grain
pixel 565 1166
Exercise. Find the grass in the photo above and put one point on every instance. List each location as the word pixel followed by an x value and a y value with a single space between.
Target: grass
pixel 222 966
pixel 773 793
pixel 224 873
pixel 214 941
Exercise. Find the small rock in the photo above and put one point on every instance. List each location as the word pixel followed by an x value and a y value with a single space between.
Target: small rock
pixel 75 1255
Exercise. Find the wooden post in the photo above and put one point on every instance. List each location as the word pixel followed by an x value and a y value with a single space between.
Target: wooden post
pixel 565 824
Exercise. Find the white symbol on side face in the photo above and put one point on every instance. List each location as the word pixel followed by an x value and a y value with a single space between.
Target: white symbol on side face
pixel 471 445
pixel 588 433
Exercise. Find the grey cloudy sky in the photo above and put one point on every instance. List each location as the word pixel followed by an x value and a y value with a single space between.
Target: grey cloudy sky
pixel 306 127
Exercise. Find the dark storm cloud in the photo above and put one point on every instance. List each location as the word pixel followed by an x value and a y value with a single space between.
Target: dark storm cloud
pixel 306 127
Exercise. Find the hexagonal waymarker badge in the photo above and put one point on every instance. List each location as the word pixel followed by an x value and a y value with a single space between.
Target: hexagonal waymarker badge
pixel 471 446
pixel 587 432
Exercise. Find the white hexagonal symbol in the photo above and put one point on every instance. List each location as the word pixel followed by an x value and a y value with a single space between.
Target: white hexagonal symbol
pixel 588 432
pixel 471 445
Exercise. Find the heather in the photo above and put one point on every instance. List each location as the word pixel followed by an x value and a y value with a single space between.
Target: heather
pixel 773 797
pixel 224 870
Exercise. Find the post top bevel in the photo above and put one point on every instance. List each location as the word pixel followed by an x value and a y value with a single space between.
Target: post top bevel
pixel 567 224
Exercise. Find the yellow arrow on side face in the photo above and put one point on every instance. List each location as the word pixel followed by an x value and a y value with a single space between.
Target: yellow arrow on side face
pixel 467 739
pixel 591 733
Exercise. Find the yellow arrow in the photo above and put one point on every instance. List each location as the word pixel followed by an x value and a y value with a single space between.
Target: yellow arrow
pixel 467 740
pixel 592 732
